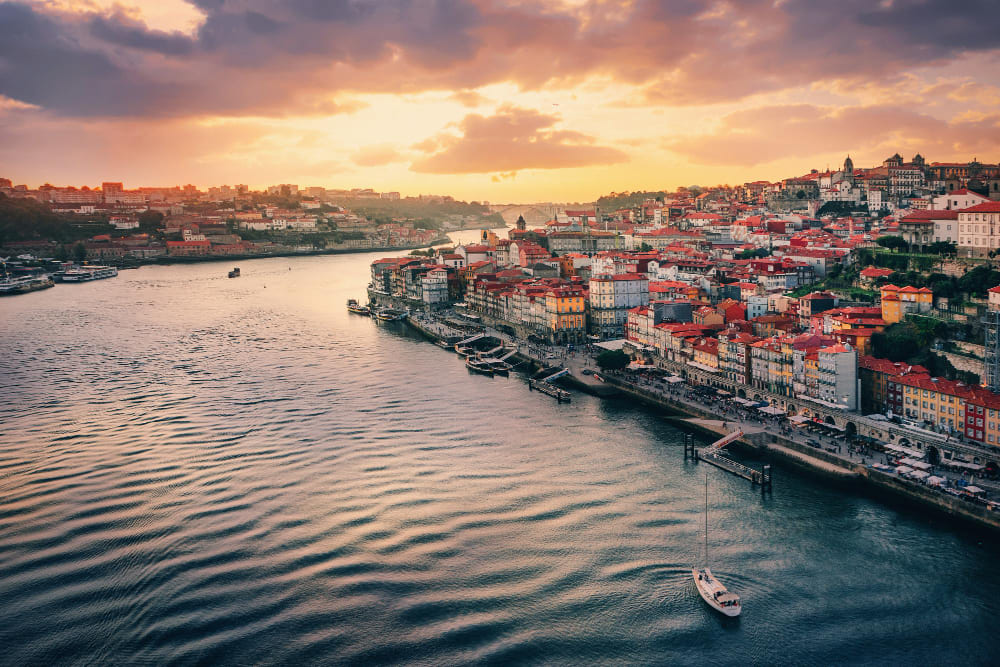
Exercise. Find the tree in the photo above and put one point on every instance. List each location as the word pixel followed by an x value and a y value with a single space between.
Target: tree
pixel 893 242
pixel 612 360
pixel 150 221
pixel 645 247
pixel 942 248
pixel 79 253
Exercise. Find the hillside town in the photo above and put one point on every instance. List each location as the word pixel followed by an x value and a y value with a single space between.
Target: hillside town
pixel 113 225
pixel 796 293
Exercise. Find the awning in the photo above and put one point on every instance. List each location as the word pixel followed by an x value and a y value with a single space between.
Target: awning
pixel 673 379
pixel 919 474
pixel 635 366
pixel 723 392
pixel 902 470
pixel 771 410
pixel 703 367
pixel 934 480
pixel 964 465
pixel 914 463
pixel 798 419
pixel 974 490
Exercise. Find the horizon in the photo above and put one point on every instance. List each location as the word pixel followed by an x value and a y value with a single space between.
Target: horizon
pixel 449 97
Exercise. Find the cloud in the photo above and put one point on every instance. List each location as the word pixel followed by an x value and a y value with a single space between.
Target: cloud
pixel 469 98
pixel 240 58
pixel 376 156
pixel 511 140
pixel 770 133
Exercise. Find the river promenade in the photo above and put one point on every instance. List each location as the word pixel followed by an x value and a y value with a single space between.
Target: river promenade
pixel 767 436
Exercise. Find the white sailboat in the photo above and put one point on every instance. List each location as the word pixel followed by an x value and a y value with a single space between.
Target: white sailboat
pixel 711 589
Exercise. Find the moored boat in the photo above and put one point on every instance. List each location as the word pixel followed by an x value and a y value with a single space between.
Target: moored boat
pixel 358 309
pixel 81 274
pixel 479 366
pixel 235 273
pixel 390 315
pixel 13 284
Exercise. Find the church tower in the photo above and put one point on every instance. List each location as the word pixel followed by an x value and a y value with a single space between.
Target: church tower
pixel 521 224
pixel 848 165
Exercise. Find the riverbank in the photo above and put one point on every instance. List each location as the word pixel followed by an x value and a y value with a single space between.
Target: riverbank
pixel 855 476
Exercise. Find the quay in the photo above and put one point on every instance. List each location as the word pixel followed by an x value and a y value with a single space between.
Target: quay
pixel 713 456
pixel 854 475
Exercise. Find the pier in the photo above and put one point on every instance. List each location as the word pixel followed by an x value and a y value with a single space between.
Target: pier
pixel 713 456
pixel 561 395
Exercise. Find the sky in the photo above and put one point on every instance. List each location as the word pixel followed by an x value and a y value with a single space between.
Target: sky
pixel 513 101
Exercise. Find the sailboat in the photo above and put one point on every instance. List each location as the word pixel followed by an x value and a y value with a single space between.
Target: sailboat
pixel 711 589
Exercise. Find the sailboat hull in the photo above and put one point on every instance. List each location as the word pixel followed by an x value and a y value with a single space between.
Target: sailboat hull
pixel 715 594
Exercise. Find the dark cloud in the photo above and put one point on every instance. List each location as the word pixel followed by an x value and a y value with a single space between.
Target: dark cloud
pixel 123 31
pixel 261 56
pixel 511 140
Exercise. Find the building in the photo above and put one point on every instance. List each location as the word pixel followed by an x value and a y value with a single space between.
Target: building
pixel 874 375
pixel 434 287
pixel 991 327
pixel 979 229
pixel 565 315
pixel 611 297
pixel 898 302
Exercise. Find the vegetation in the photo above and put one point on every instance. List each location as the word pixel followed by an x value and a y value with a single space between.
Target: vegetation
pixel 756 253
pixel 911 341
pixel 841 208
pixel 30 220
pixel 893 242
pixel 617 200
pixel 424 214
pixel 612 360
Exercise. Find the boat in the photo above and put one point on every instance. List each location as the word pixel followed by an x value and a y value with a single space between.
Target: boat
pixel 358 309
pixel 82 274
pixel 498 366
pixel 235 273
pixel 713 591
pixel 389 315
pixel 479 366
pixel 464 350
pixel 11 284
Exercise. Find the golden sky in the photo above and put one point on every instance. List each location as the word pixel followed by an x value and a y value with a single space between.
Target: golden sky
pixel 502 101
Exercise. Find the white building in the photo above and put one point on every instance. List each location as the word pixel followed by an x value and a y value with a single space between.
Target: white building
pixel 611 297
pixel 434 286
pixel 979 229
pixel 957 200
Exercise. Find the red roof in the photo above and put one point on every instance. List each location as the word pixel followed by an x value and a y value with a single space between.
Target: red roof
pixel 985 207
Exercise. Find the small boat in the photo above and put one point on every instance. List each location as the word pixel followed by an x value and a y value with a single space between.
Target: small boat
pixel 444 344
pixel 464 350
pixel 479 366
pixel 389 315
pixel 235 273
pixel 358 309
pixel 713 591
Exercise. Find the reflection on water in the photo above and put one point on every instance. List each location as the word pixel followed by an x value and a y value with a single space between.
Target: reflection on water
pixel 195 468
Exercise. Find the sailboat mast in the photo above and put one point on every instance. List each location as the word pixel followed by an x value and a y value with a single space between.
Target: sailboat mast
pixel 706 518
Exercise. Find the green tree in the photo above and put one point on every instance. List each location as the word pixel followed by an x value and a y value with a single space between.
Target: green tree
pixel 79 253
pixel 612 360
pixel 942 248
pixel 645 247
pixel 893 242
pixel 150 221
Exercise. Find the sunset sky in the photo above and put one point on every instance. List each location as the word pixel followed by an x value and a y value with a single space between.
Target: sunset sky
pixel 503 101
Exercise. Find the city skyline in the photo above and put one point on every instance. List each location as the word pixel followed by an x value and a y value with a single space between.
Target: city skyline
pixel 450 97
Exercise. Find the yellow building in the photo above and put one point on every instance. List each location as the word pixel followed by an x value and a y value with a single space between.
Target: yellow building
pixel 566 316
pixel 897 302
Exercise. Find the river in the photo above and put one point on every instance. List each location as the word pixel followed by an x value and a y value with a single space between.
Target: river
pixel 195 469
